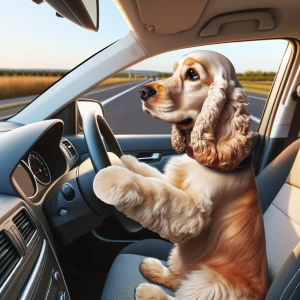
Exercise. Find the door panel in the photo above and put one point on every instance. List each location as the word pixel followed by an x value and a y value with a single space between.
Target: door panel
pixel 155 150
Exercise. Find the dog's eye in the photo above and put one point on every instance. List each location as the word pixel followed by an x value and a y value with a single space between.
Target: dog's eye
pixel 191 74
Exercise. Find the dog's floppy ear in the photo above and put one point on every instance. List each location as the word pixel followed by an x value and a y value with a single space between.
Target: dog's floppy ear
pixel 221 138
pixel 178 139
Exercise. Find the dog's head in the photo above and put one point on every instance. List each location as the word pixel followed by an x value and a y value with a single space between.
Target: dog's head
pixel 203 99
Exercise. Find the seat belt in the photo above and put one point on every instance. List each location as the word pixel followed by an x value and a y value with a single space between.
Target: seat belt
pixel 295 124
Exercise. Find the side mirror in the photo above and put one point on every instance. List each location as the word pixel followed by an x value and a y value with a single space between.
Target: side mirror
pixel 84 13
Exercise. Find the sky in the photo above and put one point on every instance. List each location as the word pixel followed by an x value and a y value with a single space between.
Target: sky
pixel 32 37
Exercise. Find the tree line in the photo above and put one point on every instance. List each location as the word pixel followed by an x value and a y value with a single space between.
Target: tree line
pixel 4 72
pixel 41 73
pixel 246 76
pixel 256 76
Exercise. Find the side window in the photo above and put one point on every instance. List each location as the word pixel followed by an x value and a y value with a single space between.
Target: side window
pixel 256 64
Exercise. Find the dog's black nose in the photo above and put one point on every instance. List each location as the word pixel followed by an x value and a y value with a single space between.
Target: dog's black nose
pixel 147 92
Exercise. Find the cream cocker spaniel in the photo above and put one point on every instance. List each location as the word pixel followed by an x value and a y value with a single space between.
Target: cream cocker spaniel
pixel 206 202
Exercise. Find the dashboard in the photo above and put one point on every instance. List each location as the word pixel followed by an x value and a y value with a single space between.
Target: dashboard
pixel 34 158
pixel 46 192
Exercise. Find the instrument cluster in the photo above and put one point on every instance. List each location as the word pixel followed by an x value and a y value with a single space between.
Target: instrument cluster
pixel 32 174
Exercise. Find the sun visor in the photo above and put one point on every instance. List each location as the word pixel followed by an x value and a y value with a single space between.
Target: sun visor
pixel 170 16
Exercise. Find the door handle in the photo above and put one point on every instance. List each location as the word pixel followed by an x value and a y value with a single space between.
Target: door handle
pixel 154 156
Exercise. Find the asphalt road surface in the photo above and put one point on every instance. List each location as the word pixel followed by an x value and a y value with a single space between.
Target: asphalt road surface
pixel 123 109
pixel 124 113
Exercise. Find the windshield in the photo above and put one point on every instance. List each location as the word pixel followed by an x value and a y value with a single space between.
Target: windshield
pixel 37 48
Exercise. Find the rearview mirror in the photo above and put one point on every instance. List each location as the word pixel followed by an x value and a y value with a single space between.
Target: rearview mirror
pixel 84 13
pixel 84 105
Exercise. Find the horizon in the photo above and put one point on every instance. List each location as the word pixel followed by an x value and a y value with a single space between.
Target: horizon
pixel 123 71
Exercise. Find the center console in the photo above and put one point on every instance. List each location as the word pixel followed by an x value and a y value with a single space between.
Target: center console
pixel 29 268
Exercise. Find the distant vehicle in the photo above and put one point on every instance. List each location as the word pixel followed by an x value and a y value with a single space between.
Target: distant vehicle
pixel 155 78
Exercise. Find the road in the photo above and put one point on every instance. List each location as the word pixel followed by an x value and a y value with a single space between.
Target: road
pixel 123 109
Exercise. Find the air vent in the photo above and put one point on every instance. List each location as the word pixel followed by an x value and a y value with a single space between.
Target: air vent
pixel 24 225
pixel 9 257
pixel 69 147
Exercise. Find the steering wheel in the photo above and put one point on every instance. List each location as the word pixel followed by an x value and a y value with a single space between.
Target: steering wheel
pixel 94 127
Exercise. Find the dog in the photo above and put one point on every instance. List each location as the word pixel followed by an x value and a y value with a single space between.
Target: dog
pixel 207 201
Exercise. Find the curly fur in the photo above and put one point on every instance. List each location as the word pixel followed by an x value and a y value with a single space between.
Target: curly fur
pixel 213 217
pixel 224 108
pixel 178 139
pixel 220 138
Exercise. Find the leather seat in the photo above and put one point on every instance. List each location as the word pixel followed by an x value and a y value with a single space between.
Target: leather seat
pixel 279 187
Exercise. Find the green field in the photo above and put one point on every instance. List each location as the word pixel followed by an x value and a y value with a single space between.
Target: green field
pixel 257 86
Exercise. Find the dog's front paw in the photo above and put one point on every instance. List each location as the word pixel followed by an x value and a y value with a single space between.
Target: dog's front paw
pixel 112 184
pixel 153 270
pixel 146 291
pixel 130 162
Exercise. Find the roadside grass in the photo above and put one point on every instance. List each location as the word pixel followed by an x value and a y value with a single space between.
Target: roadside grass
pixel 12 106
pixel 115 80
pixel 262 87
pixel 19 86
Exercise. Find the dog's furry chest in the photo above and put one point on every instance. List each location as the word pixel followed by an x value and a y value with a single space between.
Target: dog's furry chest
pixel 201 182
pixel 233 222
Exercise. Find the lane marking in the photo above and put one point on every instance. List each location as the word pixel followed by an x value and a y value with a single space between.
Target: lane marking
pixel 259 98
pixel 256 120
pixel 122 93
pixel 107 88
